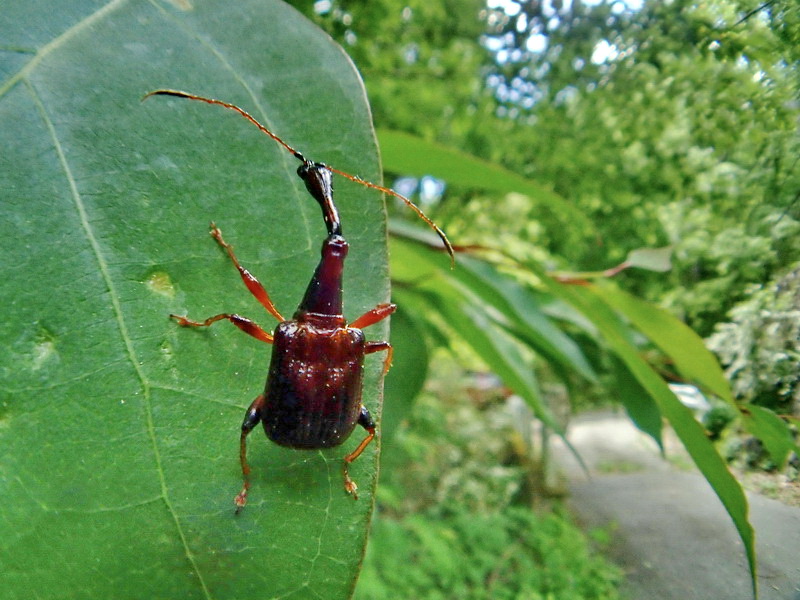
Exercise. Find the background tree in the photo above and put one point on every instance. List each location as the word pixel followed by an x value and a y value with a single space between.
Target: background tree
pixel 671 124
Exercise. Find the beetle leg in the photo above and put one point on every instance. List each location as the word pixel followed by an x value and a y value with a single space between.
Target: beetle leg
pixel 371 317
pixel 250 281
pixel 243 323
pixel 377 347
pixel 365 420
pixel 251 419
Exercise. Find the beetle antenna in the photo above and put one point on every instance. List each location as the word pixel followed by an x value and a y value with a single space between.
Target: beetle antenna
pixel 442 235
pixel 355 178
pixel 233 107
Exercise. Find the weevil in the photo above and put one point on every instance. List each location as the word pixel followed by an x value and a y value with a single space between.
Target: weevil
pixel 312 396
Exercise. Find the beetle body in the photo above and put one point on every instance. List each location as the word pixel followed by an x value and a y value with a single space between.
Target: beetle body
pixel 312 396
pixel 313 390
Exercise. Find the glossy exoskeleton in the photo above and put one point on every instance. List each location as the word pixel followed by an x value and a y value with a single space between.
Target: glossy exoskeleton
pixel 312 396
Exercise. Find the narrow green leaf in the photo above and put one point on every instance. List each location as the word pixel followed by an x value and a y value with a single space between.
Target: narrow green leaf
pixel 638 403
pixel 673 337
pixel 773 432
pixel 494 346
pixel 468 317
pixel 408 373
pixel 528 321
pixel 407 154
pixel 591 302
pixel 119 429
pixel 523 316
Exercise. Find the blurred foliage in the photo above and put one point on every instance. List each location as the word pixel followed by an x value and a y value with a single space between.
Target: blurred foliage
pixel 717 418
pixel 454 519
pixel 455 450
pixel 514 316
pixel 460 445
pixel 760 346
pixel 678 144
pixel 674 124
pixel 497 555
pixel 418 59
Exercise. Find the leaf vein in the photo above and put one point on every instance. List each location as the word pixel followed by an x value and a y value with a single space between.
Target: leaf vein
pixel 123 329
pixel 57 42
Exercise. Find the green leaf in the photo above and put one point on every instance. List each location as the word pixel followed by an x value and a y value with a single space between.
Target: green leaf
pixel 772 431
pixel 407 154
pixel 527 320
pixel 408 373
pixel 425 273
pixel 638 403
pixel 673 337
pixel 591 301
pixel 521 309
pixel 119 429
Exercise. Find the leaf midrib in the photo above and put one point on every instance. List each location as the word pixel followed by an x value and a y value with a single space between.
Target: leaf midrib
pixel 123 329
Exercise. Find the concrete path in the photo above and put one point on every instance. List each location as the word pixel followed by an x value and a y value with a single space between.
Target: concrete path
pixel 672 536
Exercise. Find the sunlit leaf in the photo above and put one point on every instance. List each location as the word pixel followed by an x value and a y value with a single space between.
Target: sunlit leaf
pixel 119 429
pixel 686 349
pixel 406 154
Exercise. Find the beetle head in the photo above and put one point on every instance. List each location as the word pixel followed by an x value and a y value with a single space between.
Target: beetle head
pixel 319 183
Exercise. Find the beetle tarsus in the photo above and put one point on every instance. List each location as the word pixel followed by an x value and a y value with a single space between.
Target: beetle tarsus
pixel 379 347
pixel 249 327
pixel 365 420
pixel 241 499
pixel 349 485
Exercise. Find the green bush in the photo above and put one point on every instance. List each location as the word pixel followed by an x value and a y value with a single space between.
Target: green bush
pixel 719 262
pixel 760 345
pixel 718 418
pixel 514 554
pixel 453 452
pixel 454 515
